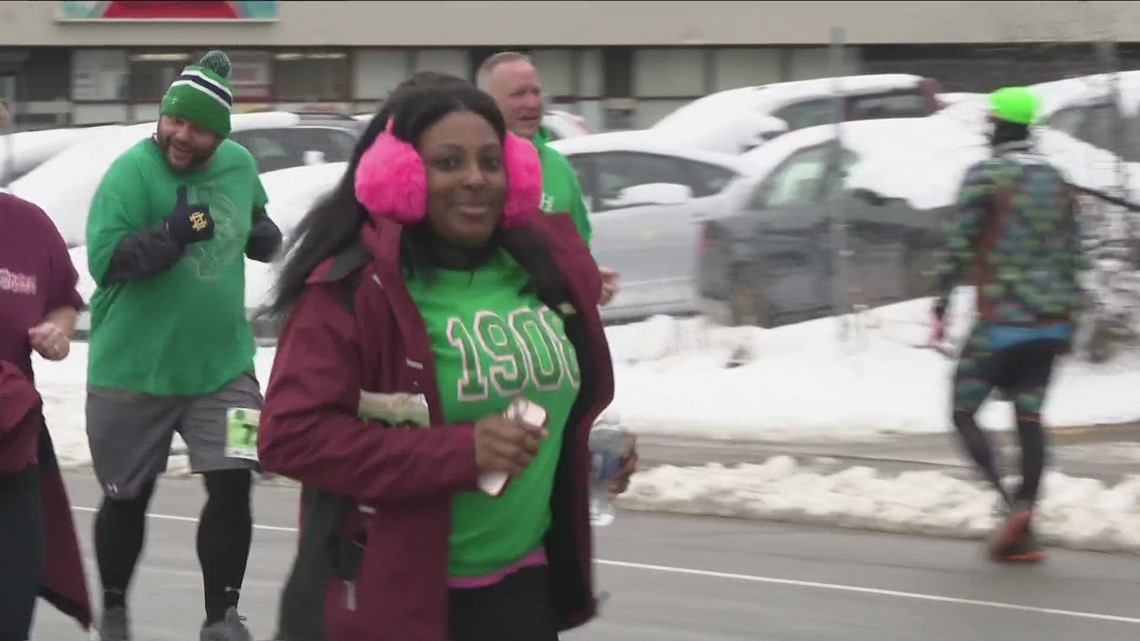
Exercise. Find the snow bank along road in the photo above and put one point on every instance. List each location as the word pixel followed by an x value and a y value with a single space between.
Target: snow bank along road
pixel 912 484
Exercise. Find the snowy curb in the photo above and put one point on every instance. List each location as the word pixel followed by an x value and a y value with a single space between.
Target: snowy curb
pixel 1077 513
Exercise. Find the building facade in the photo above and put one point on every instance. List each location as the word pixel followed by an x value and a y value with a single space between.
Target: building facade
pixel 618 64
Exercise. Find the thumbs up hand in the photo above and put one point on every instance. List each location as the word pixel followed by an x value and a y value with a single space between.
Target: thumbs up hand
pixel 188 223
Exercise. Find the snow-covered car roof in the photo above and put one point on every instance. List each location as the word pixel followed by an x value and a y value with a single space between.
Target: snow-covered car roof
pixel 30 149
pixel 920 160
pixel 773 96
pixel 1090 90
pixel 737 120
pixel 64 185
pixel 1082 91
pixel 642 141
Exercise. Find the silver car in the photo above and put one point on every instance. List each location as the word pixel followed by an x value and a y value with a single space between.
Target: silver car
pixel 645 200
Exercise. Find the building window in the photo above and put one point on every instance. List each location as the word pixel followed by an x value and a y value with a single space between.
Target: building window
pixel 669 73
pixel 251 75
pixel 452 61
pixel 99 75
pixel 45 75
pixel 153 72
pixel 617 72
pixel 312 76
pixel 378 71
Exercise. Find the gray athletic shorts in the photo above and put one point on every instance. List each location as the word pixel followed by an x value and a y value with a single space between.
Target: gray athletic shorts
pixel 130 433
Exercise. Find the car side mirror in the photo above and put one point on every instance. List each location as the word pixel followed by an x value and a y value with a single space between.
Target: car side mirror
pixel 868 196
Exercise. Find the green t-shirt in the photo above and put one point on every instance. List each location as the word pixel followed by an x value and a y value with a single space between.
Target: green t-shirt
pixel 561 191
pixel 183 331
pixel 492 343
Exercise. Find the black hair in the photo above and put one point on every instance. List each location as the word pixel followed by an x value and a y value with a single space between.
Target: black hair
pixel 335 221
pixel 1006 131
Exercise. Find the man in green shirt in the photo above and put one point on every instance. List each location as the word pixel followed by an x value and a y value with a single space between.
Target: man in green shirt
pixel 171 349
pixel 512 80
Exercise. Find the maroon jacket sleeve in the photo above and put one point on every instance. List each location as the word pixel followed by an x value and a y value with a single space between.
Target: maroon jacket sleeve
pixel 309 429
pixel 62 282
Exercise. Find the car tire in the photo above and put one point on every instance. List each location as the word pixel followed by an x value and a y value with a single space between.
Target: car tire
pixel 747 306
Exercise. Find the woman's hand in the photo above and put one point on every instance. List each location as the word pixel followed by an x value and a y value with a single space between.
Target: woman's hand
pixel 50 341
pixel 506 445
pixel 620 482
pixel 610 285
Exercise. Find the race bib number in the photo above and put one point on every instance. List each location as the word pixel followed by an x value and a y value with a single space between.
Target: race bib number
pixel 241 433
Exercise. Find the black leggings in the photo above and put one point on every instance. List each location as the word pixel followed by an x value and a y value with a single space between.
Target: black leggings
pixel 225 529
pixel 21 552
pixel 518 608
pixel 1023 372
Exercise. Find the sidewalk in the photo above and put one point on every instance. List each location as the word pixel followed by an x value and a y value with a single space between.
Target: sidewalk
pixel 1106 452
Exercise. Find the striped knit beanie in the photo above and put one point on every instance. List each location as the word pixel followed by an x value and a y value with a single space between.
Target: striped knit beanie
pixel 202 94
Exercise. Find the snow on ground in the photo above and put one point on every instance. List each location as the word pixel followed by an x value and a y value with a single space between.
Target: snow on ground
pixel 1074 512
pixel 804 382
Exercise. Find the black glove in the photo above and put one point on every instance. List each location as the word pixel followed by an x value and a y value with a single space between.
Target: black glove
pixel 264 238
pixel 188 223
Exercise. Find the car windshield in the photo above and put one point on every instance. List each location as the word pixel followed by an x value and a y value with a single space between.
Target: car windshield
pixel 895 105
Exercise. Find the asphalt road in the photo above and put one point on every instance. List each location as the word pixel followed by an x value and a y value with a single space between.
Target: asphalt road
pixel 686 579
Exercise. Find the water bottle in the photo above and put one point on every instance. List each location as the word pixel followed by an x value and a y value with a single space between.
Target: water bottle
pixel 607 445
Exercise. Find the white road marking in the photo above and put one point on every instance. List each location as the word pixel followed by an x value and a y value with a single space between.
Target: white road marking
pixel 749 578
pixel 862 590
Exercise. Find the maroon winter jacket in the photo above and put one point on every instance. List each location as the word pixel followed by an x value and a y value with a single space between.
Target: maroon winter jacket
pixel 22 427
pixel 376 503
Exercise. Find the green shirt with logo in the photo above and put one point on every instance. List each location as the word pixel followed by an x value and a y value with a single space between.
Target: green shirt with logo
pixel 492 342
pixel 183 331
pixel 561 191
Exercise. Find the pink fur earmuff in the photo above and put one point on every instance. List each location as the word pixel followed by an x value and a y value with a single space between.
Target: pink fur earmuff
pixel 391 179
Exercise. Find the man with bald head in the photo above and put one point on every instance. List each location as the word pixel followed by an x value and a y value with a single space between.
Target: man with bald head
pixel 512 80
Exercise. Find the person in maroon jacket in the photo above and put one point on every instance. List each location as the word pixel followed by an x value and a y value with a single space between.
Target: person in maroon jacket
pixel 433 295
pixel 39 551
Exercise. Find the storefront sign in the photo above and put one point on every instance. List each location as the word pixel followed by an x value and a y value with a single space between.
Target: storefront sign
pixel 167 11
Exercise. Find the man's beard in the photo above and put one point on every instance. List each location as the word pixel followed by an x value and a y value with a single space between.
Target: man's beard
pixel 197 158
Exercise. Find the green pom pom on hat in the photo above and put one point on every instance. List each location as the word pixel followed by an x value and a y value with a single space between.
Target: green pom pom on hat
pixel 202 94
pixel 1015 104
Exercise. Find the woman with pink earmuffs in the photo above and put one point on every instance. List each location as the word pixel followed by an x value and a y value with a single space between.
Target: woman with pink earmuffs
pixel 441 362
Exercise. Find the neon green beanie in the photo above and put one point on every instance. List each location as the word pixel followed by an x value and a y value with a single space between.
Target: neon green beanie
pixel 1014 104
pixel 202 94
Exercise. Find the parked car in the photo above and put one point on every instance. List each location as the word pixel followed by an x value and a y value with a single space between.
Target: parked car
pixel 738 120
pixel 644 199
pixel 314 139
pixel 771 256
